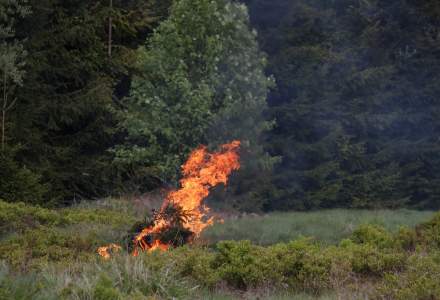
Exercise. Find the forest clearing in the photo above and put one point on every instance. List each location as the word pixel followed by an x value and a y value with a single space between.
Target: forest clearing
pixel 219 149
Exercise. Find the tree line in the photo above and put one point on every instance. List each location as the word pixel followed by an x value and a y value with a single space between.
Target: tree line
pixel 336 102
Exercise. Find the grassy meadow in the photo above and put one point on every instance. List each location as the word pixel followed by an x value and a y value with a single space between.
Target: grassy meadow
pixel 327 226
pixel 332 254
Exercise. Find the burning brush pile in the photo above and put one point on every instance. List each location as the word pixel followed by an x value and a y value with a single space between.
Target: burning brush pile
pixel 183 215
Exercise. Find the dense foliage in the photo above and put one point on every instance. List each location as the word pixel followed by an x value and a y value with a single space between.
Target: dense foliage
pixel 357 104
pixel 108 97
pixel 66 92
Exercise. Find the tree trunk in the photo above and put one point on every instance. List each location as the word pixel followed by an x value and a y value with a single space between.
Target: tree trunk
pixel 5 104
pixel 3 129
pixel 110 30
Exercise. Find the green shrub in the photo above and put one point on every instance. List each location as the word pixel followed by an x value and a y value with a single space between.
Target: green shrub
pixel 429 232
pixel 373 235
pixel 419 281
pixel 370 260
pixel 37 247
pixel 196 263
pixel 406 239
pixel 243 265
pixel 104 289
pixel 18 183
pixel 20 217
pixel 97 216
pixel 302 265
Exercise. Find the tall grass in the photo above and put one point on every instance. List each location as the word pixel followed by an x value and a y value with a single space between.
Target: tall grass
pixel 124 277
pixel 328 226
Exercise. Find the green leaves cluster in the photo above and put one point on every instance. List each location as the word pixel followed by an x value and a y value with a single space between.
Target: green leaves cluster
pixel 201 81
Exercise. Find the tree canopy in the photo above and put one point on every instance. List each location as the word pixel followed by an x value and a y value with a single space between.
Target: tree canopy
pixel 336 102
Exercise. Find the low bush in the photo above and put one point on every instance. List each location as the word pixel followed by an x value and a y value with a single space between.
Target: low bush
pixel 97 216
pixel 370 260
pixel 243 265
pixel 37 247
pixel 31 236
pixel 419 281
pixel 428 233
pixel 20 217
pixel 302 265
pixel 373 235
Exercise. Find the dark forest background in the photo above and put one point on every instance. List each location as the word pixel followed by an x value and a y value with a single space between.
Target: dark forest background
pixel 352 117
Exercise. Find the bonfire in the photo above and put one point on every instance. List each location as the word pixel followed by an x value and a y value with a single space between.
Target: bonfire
pixel 183 215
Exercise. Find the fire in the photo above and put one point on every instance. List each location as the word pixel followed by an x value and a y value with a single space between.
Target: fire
pixel 105 251
pixel 158 245
pixel 201 172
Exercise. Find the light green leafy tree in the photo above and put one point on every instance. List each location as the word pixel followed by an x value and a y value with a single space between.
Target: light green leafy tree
pixel 202 81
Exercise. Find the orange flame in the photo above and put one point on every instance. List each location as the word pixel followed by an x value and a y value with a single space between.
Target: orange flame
pixel 105 251
pixel 201 172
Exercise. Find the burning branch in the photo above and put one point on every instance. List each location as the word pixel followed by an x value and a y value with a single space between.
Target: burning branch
pixel 183 216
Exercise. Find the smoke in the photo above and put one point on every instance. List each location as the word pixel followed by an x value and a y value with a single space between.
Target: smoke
pixel 355 104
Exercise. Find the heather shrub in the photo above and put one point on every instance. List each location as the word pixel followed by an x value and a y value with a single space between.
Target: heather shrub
pixel 38 247
pixel 419 281
pixel 196 263
pixel 20 217
pixel 302 264
pixel 97 216
pixel 243 265
pixel 428 233
pixel 370 260
pixel 373 235
pixel 406 239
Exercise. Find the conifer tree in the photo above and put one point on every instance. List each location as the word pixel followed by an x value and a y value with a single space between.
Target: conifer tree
pixel 12 58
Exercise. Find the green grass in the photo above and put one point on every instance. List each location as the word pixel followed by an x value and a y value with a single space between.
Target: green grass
pixel 328 226
pixel 264 295
pixel 267 295
pixel 51 254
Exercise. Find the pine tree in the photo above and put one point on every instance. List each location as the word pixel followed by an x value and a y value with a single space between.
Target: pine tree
pixel 65 118
pixel 356 104
pixel 12 58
